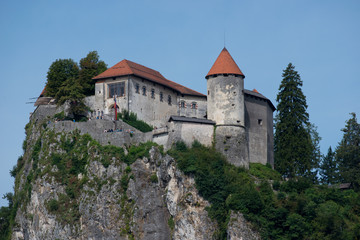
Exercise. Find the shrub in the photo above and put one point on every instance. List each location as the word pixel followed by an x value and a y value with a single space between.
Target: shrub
pixel 154 178
pixel 131 119
pixel 53 205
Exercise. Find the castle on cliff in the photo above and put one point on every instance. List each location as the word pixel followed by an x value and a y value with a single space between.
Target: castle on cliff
pixel 237 121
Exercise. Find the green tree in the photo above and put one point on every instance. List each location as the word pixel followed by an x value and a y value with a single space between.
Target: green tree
pixel 59 72
pixel 348 152
pixel 71 92
pixel 293 144
pixel 329 170
pixel 90 66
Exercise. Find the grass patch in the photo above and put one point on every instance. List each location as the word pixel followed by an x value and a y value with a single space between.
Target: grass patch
pixel 264 172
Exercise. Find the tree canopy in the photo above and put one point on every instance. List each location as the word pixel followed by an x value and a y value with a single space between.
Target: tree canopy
pixel 90 66
pixel 329 168
pixel 59 72
pixel 67 82
pixel 295 140
pixel 348 152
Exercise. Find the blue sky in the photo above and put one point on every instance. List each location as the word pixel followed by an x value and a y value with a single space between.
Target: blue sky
pixel 181 39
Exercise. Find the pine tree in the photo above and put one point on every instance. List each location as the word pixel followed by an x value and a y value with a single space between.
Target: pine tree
pixel 329 169
pixel 348 152
pixel 293 144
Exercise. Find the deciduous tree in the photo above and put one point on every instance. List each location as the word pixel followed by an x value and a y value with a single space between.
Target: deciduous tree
pixel 59 72
pixel 90 66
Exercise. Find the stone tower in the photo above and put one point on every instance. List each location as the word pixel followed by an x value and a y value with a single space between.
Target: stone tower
pixel 226 107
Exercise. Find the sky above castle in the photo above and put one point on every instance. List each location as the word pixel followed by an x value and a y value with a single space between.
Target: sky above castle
pixel 181 40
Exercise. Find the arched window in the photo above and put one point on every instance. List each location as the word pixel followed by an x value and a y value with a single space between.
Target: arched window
pixel 137 88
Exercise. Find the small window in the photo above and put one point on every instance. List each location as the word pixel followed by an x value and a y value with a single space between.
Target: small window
pixel 144 91
pixel 169 99
pixel 161 97
pixel 193 105
pixel 260 122
pixel 137 88
pixel 183 104
pixel 152 93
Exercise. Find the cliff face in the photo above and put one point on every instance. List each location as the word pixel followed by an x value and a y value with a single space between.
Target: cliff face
pixel 71 187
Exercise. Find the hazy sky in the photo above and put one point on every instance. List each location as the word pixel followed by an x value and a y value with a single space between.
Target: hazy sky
pixel 181 39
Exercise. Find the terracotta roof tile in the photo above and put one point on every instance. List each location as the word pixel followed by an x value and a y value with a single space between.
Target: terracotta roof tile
pixel 126 67
pixel 225 64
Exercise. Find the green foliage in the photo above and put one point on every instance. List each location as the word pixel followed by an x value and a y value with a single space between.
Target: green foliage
pixel 60 116
pixel 131 119
pixel 348 152
pixel 296 140
pixel 67 83
pixel 300 210
pixel 140 151
pixel 171 223
pixel 59 72
pixel 263 172
pixel 53 205
pixel 90 66
pixel 329 169
pixel 154 178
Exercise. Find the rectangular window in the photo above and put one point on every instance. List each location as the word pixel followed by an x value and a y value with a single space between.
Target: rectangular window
pixel 137 88
pixel 182 104
pixel 169 100
pixel 152 93
pixel 144 91
pixel 161 97
pixel 193 105
pixel 117 89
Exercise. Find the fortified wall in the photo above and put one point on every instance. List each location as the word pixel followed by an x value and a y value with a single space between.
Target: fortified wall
pixel 177 129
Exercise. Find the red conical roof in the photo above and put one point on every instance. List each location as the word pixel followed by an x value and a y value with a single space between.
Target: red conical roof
pixel 225 64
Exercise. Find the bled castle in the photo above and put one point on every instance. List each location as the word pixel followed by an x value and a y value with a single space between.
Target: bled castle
pixel 237 121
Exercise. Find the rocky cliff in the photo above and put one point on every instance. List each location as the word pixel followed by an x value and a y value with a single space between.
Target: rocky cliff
pixel 68 186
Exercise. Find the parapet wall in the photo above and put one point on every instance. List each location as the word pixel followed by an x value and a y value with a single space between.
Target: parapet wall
pixel 96 129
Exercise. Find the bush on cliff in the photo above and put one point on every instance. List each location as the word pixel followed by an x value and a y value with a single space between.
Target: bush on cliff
pixel 300 210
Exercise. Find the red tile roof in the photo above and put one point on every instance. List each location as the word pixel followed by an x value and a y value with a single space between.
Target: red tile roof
pixel 126 67
pixel 225 64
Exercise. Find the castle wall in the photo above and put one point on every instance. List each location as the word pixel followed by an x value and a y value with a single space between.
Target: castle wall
pixel 96 130
pixel 259 122
pixel 233 143
pixel 193 106
pixel 188 132
pixel 226 100
pixel 150 108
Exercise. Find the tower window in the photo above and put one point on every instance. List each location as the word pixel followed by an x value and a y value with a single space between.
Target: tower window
pixel 260 122
pixel 144 91
pixel 161 97
pixel 152 93
pixel 137 88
